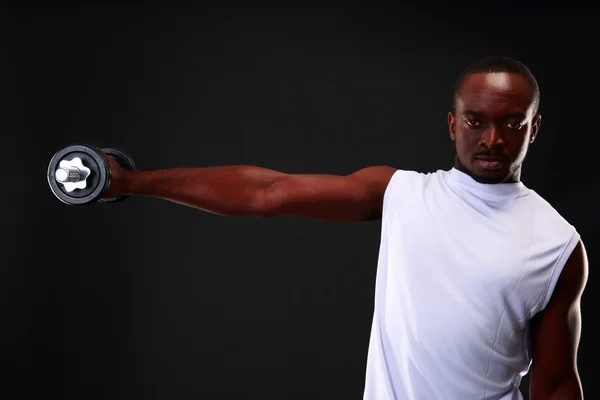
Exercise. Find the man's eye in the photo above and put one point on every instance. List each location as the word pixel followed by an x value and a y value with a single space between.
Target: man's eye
pixel 472 122
pixel 515 125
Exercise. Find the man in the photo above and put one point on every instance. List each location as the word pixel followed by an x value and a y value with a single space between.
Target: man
pixel 478 277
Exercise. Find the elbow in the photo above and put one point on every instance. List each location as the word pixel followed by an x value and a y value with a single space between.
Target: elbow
pixel 259 202
pixel 268 201
pixel 566 392
pixel 566 389
pixel 258 199
pixel 256 206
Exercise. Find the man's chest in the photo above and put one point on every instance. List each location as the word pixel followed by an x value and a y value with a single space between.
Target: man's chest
pixel 462 267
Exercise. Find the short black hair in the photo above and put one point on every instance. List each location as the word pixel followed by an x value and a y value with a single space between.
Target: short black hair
pixel 499 64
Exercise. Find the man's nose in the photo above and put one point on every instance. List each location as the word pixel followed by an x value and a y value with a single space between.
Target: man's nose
pixel 492 137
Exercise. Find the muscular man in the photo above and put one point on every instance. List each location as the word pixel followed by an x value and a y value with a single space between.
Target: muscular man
pixel 479 279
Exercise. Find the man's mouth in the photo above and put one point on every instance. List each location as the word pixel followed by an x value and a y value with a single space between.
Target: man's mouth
pixel 492 163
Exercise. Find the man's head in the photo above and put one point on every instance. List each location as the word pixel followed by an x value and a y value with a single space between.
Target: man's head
pixel 494 119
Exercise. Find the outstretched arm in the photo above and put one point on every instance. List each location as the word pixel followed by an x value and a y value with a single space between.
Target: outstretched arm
pixel 555 335
pixel 255 191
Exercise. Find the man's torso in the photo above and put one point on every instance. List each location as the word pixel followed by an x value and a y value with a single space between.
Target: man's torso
pixel 462 269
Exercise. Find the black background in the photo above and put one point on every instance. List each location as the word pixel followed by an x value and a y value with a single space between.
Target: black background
pixel 150 300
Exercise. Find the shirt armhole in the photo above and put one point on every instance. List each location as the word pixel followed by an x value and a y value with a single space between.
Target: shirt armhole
pixel 558 267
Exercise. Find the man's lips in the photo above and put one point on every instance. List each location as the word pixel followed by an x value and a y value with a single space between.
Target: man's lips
pixel 490 162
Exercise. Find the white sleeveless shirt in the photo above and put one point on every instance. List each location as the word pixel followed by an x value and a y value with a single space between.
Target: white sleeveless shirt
pixel 463 267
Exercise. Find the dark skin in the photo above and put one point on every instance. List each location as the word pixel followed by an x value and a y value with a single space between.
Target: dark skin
pixel 555 334
pixel 493 125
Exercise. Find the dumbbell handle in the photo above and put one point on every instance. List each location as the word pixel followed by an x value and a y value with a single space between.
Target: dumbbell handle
pixel 68 174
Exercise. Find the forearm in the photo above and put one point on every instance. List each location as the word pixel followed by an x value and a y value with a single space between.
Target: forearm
pixel 230 190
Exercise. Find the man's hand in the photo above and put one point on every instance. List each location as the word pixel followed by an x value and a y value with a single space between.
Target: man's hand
pixel 118 179
pixel 555 335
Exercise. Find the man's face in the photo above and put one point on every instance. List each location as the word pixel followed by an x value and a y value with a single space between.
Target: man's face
pixel 493 125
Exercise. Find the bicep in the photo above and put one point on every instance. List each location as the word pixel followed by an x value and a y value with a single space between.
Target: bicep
pixel 555 332
pixel 349 198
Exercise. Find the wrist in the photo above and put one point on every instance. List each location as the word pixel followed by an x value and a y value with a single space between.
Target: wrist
pixel 128 183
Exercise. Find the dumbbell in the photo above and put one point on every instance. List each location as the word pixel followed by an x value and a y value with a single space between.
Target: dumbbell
pixel 80 174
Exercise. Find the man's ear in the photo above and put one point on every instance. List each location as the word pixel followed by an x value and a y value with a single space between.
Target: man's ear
pixel 535 128
pixel 451 126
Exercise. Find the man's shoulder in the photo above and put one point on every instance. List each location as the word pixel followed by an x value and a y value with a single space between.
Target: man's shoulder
pixel 414 176
pixel 548 219
pixel 407 183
